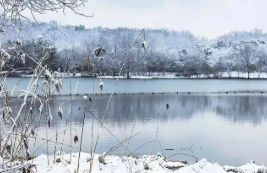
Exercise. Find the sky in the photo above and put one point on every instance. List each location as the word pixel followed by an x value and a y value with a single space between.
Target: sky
pixel 204 18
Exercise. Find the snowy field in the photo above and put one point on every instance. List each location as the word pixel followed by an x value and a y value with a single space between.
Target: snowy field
pixel 146 164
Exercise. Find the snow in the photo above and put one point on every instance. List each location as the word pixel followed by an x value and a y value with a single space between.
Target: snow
pixel 233 74
pixel 106 163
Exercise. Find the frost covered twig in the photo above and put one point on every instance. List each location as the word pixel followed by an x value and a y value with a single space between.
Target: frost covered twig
pixel 14 10
pixel 106 110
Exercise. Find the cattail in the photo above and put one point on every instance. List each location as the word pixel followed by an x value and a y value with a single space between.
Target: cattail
pixel 101 85
pixel 8 148
pixel 76 138
pixel 49 120
pixel 31 110
pixel 99 51
pixel 60 112
pixel 167 106
pixel 32 132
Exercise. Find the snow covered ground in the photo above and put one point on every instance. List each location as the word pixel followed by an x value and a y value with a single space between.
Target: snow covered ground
pixel 171 76
pixel 146 164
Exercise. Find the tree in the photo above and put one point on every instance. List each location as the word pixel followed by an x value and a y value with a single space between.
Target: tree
pixel 219 68
pixel 12 11
pixel 261 61
pixel 247 54
pixel 229 64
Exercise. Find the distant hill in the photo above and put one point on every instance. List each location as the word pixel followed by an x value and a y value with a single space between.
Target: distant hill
pixel 168 50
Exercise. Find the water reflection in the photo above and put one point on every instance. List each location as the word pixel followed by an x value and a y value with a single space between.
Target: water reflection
pixel 239 109
pixel 129 108
pixel 125 108
pixel 217 125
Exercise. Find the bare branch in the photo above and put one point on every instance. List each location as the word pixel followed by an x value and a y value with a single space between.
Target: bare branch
pixel 12 10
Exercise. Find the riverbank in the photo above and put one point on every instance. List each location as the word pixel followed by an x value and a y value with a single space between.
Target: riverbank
pixel 225 75
pixel 148 163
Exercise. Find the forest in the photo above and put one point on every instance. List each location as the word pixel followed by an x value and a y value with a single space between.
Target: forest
pixel 165 51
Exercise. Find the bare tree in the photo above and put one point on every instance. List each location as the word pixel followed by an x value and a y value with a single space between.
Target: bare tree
pixel 12 10
pixel 247 55
pixel 261 61
pixel 228 64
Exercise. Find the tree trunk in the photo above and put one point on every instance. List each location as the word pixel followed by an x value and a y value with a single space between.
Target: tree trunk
pixel 128 75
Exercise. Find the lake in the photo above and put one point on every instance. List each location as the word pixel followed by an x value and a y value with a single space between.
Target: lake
pixel 227 128
pixel 85 85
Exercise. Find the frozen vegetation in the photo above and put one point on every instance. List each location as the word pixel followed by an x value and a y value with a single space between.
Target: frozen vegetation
pixel 53 51
pixel 158 51
pixel 163 54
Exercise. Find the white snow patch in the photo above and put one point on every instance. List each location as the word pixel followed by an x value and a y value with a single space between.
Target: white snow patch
pixel 148 163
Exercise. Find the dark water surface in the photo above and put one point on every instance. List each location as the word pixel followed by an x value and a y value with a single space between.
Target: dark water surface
pixel 230 129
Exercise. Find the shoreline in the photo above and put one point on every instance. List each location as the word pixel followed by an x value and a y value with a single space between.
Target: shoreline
pixel 151 78
pixel 105 163
pixel 155 75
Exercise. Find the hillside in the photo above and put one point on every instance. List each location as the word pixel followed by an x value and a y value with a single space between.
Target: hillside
pixel 178 52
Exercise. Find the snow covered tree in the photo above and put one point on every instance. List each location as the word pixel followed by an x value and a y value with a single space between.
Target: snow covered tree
pixel 261 60
pixel 247 54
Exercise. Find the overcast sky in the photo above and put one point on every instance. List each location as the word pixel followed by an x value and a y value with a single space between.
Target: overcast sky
pixel 208 18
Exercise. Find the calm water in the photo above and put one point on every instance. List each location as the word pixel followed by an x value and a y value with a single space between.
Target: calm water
pixel 85 85
pixel 230 129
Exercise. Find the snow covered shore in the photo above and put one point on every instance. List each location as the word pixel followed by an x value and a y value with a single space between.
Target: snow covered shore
pixel 225 75
pixel 146 164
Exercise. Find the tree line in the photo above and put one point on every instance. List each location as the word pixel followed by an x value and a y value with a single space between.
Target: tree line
pixel 168 51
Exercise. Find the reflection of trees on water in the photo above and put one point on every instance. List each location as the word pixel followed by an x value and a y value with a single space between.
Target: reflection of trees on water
pixel 126 109
pixel 235 108
pixel 247 108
